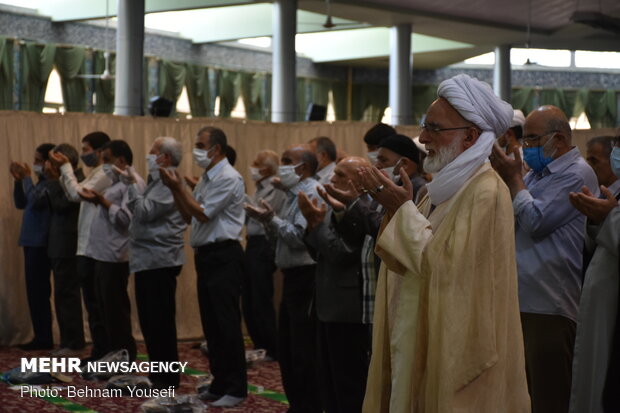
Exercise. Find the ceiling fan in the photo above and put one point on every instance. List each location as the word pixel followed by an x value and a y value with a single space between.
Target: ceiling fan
pixel 106 75
pixel 329 21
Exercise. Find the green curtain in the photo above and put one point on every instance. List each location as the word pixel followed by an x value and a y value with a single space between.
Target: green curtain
pixel 339 93
pixel 198 90
pixel 104 89
pixel 171 80
pixel 6 73
pixel 319 91
pixel 37 61
pixel 524 99
pixel 302 98
pixel 70 62
pixel 600 107
pixel 228 86
pixel 253 94
pixel 423 96
pixel 369 102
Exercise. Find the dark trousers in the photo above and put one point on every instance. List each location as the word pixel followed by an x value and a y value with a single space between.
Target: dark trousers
pixel 549 342
pixel 297 340
pixel 68 302
pixel 257 294
pixel 111 288
pixel 343 356
pixel 38 291
pixel 155 299
pixel 219 269
pixel 86 271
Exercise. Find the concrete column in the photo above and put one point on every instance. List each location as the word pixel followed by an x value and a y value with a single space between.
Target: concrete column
pixel 401 63
pixel 129 58
pixel 502 73
pixel 283 96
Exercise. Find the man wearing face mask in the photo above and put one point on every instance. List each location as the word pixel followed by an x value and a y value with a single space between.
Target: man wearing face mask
pixel 374 136
pixel 156 255
pixel 599 296
pixel 109 249
pixel 97 181
pixel 399 151
pixel 549 242
pixel 33 238
pixel 257 293
pixel 297 325
pixel 216 214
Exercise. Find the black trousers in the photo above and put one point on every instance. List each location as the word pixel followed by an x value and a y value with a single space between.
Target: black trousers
pixel 343 356
pixel 549 342
pixel 155 299
pixel 297 338
pixel 38 291
pixel 68 302
pixel 257 294
pixel 219 269
pixel 111 288
pixel 98 335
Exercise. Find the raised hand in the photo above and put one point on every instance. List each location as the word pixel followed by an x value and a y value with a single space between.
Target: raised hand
pixel 311 210
pixel 333 202
pixel 263 213
pixel 171 179
pixel 57 158
pixel 384 190
pixel 592 207
pixel 345 196
pixel 127 176
pixel 191 181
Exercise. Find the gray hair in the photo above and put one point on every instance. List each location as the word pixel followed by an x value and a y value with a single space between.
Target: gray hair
pixel 171 147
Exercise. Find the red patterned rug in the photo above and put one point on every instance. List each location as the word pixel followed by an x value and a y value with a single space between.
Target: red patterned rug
pixel 264 383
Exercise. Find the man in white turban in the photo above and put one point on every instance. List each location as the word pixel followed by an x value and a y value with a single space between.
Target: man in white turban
pixel 449 338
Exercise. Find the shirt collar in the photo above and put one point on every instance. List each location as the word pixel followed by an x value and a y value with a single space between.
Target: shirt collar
pixel 615 187
pixel 213 172
pixel 326 170
pixel 563 162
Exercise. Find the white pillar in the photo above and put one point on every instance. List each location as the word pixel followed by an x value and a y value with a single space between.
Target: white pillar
pixel 502 73
pixel 128 98
pixel 283 96
pixel 401 63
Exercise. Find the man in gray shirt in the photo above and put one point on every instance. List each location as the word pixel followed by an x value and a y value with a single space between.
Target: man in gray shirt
pixel 216 213
pixel 258 311
pixel 156 256
pixel 297 326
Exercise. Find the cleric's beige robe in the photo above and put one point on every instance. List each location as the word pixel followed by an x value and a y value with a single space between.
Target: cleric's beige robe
pixel 453 343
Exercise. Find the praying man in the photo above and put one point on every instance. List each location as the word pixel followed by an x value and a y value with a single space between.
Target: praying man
pixel 448 338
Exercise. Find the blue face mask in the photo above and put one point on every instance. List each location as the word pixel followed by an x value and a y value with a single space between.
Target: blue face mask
pixel 535 157
pixel 614 159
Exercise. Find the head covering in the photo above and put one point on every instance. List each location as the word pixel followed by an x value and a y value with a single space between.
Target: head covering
pixel 402 145
pixel 517 119
pixel 477 103
pixel 377 133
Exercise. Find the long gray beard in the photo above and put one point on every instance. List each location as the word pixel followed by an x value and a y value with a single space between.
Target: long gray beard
pixel 442 157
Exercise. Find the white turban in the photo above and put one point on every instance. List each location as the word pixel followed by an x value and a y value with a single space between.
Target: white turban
pixel 477 103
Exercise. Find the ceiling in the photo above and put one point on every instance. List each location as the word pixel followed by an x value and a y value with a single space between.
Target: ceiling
pixel 445 31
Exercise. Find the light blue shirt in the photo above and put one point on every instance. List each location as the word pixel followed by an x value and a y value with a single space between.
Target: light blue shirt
pixel 220 192
pixel 550 236
pixel 290 228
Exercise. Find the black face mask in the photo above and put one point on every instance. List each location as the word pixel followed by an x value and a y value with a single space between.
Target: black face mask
pixel 90 159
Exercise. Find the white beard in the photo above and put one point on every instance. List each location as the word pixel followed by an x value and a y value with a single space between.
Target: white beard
pixel 442 157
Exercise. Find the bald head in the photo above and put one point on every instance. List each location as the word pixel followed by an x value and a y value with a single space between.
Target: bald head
pixel 302 155
pixel 553 118
pixel 346 170
pixel 548 126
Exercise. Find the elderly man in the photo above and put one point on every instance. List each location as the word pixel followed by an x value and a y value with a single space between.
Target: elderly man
pixel 343 339
pixel 216 214
pixel 598 304
pixel 326 154
pixel 549 240
pixel 157 256
pixel 451 340
pixel 297 326
pixel 257 293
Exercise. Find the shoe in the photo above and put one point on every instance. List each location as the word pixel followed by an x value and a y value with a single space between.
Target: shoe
pixel 204 393
pixel 227 401
pixel 66 352
pixel 33 345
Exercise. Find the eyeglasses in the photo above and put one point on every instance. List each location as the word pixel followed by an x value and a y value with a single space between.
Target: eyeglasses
pixel 435 129
pixel 531 141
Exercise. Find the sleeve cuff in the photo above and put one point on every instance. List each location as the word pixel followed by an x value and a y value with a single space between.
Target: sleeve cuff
pixel 522 198
pixel 66 168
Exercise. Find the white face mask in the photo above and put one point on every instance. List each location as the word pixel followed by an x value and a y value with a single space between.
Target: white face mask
pixel 288 176
pixel 151 162
pixel 255 174
pixel 109 171
pixel 372 157
pixel 393 172
pixel 201 157
pixel 38 169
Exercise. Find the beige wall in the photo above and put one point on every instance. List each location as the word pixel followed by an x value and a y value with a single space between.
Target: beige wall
pixel 21 132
